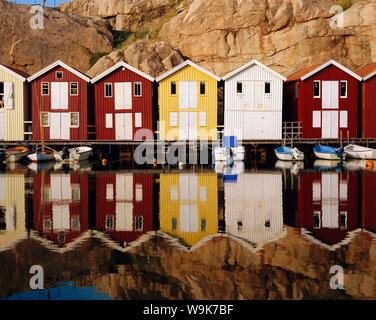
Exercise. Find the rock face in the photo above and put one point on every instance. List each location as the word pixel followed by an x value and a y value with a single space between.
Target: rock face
pixel 70 39
pixel 222 35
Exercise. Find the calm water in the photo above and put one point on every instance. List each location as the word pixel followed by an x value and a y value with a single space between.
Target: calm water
pixel 198 233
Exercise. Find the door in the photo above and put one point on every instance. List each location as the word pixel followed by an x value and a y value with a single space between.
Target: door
pixel 254 95
pixel 123 126
pixel 123 95
pixel 259 95
pixel 330 200
pixel 330 126
pixel 330 95
pixel 188 126
pixel 187 94
pixel 59 95
pixel 2 126
pixel 60 126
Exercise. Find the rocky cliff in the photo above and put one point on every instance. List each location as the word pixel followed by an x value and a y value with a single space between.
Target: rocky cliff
pixel 222 35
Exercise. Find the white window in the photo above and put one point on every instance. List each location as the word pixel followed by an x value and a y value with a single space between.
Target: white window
pixel 188 94
pixel 138 120
pixel 109 191
pixel 59 95
pixel 316 89
pixel 45 88
pixel 108 90
pixel 45 119
pixel 109 120
pixel 74 119
pixel 75 223
pixel 138 89
pixel 173 119
pixel 203 119
pixel 343 89
pixel 317 219
pixel 73 88
pixel 343 119
pixel 268 88
pixel 239 88
pixel 316 119
pixel 6 95
pixel 76 194
pixel 139 193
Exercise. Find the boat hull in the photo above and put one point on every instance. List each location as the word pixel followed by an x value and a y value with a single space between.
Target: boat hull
pixel 41 157
pixel 16 154
pixel 358 152
pixel 326 156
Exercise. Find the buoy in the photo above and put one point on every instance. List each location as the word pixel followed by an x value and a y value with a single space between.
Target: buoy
pixel 155 163
pixel 104 162
pixel 181 165
pixel 370 165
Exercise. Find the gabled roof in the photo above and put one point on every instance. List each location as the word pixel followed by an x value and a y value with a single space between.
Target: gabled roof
pixel 312 70
pixel 61 64
pixel 183 65
pixel 249 64
pixel 121 64
pixel 368 71
pixel 14 72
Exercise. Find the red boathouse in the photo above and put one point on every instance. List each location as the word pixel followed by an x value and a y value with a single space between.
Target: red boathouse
pixel 59 103
pixel 60 205
pixel 368 73
pixel 324 99
pixel 124 205
pixel 123 103
pixel 328 208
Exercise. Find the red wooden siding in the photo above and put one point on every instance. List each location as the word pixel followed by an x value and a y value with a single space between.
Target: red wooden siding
pixel 103 106
pixel 306 103
pixel 369 108
pixel 107 201
pixel 43 207
pixel 310 202
pixel 369 201
pixel 41 103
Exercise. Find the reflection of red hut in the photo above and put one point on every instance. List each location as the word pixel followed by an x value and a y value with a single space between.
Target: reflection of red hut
pixel 124 204
pixel 328 207
pixel 369 201
pixel 61 206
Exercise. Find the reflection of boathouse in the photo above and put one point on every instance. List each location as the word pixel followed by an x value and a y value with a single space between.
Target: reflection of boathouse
pixel 253 208
pixel 124 205
pixel 189 206
pixel 328 208
pixel 12 210
pixel 60 208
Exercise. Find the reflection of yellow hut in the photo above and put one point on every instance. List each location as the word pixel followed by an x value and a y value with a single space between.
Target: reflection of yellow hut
pixel 12 210
pixel 189 206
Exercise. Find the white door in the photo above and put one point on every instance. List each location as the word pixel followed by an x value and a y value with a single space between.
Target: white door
pixel 330 125
pixel 188 126
pixel 187 94
pixel 330 95
pixel 2 126
pixel 330 200
pixel 123 95
pixel 123 126
pixel 192 126
pixel 253 95
pixel 60 126
pixel 259 95
pixel 249 92
pixel 59 95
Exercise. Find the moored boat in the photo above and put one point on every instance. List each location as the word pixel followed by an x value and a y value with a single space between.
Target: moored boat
pixel 289 154
pixel 229 150
pixel 74 154
pixel 16 154
pixel 328 153
pixel 354 151
pixel 40 155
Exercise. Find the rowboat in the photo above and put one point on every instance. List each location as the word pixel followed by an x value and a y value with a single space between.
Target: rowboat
pixel 42 156
pixel 16 154
pixel 354 151
pixel 328 153
pixel 74 154
pixel 229 151
pixel 289 154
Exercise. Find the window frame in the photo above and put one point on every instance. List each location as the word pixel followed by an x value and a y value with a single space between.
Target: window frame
pixel 48 88
pixel 134 89
pixel 70 89
pixel 203 83
pixel 270 88
pixel 70 119
pixel 59 72
pixel 110 84
pixel 173 83
pixel 237 87
pixel 340 89
pixel 319 95
pixel 48 119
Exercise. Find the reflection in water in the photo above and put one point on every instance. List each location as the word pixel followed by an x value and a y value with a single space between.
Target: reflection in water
pixel 138 234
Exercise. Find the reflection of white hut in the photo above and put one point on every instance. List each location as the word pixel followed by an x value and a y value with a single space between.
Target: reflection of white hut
pixel 12 210
pixel 254 208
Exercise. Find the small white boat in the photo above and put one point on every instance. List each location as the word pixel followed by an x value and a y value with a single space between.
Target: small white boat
pixel 289 154
pixel 42 156
pixel 230 151
pixel 354 151
pixel 16 154
pixel 74 154
pixel 328 153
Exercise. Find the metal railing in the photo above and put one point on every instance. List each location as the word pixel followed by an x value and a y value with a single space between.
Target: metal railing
pixel 292 130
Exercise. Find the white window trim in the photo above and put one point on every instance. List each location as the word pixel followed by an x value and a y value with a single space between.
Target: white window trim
pixel 319 96
pixel 70 120
pixel 134 88
pixel 270 84
pixel 112 90
pixel 236 88
pixel 347 89
pixel 70 89
pixel 41 89
pixel 176 89
pixel 49 119
pixel 62 75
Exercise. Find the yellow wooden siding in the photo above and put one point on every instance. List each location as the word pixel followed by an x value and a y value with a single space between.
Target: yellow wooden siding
pixel 206 103
pixel 207 207
pixel 12 199
pixel 14 118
